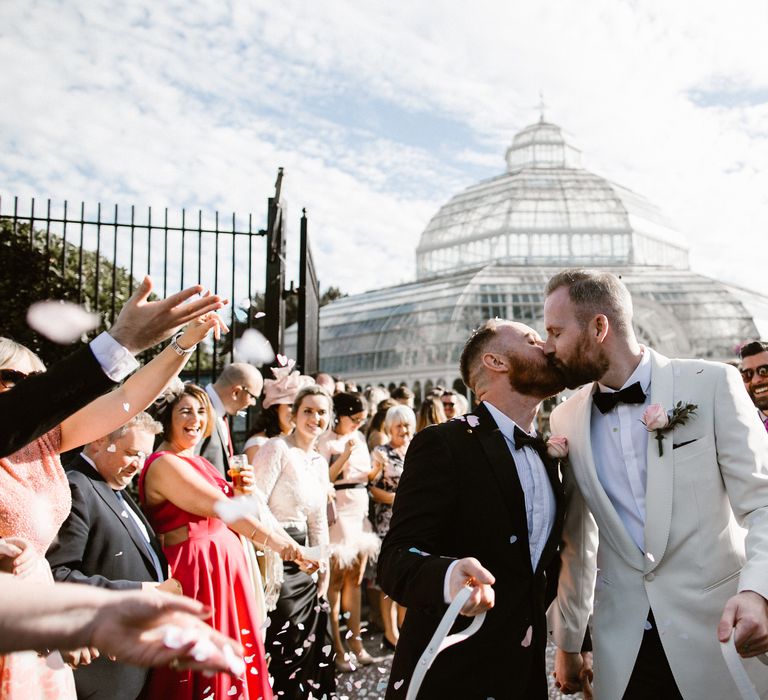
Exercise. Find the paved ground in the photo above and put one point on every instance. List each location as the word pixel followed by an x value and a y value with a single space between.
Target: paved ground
pixel 371 681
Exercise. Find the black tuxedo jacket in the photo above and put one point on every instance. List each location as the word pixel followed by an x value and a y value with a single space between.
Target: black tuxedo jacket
pixel 98 545
pixel 460 496
pixel 40 403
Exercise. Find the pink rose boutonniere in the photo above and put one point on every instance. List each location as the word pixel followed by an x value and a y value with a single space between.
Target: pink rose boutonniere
pixel 656 419
pixel 557 447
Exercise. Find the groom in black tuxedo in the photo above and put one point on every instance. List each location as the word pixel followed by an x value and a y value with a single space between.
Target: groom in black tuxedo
pixel 479 501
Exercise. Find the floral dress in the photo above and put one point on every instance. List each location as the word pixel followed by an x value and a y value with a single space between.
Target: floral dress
pixel 387 480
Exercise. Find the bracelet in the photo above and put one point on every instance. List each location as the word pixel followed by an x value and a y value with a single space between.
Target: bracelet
pixel 180 351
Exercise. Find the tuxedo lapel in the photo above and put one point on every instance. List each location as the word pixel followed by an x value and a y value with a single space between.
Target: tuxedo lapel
pixel 503 467
pixel 580 455
pixel 660 469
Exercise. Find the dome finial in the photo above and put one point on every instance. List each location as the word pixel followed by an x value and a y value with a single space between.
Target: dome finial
pixel 541 107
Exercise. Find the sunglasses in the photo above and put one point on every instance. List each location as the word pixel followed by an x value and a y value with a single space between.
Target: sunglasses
pixel 9 378
pixel 761 371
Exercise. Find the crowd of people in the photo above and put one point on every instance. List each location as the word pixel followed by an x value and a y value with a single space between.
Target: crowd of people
pixel 238 566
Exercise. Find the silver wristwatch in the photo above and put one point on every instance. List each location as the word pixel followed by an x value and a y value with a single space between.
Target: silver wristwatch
pixel 182 352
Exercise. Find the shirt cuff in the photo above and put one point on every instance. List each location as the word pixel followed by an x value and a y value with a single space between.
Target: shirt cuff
pixel 114 359
pixel 446 588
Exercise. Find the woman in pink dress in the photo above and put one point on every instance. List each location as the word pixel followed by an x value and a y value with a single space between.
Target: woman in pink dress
pixel 180 490
pixel 35 497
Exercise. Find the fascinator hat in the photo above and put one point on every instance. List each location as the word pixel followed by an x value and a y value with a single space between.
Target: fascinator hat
pixel 171 394
pixel 286 384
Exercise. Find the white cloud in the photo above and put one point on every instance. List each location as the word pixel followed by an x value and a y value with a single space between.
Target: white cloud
pixel 196 104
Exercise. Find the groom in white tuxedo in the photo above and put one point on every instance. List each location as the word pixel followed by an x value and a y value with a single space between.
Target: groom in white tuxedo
pixel 650 526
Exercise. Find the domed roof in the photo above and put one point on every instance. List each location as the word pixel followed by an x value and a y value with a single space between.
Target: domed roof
pixel 547 210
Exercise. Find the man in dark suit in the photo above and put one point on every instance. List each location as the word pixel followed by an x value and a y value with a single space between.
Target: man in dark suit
pixel 479 502
pixel 237 387
pixel 39 403
pixel 106 541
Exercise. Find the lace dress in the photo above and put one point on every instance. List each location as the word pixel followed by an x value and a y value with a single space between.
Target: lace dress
pixel 211 567
pixel 295 485
pixel 34 501
pixel 351 535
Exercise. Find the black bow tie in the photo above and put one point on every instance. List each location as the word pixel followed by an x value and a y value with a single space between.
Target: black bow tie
pixel 605 400
pixel 522 439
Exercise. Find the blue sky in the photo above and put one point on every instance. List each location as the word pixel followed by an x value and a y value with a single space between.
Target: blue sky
pixel 380 112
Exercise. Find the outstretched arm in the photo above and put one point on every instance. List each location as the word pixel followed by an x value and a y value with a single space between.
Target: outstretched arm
pixel 109 412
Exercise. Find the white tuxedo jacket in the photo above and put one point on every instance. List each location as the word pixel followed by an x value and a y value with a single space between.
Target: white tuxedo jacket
pixel 695 555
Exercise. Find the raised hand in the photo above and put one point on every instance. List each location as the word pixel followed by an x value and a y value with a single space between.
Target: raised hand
pixel 142 324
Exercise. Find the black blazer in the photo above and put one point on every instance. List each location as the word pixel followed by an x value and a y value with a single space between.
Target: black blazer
pixel 460 496
pixel 40 403
pixel 97 545
pixel 214 449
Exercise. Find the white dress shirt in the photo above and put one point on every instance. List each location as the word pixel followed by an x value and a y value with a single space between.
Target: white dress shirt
pixel 114 359
pixel 619 448
pixel 540 504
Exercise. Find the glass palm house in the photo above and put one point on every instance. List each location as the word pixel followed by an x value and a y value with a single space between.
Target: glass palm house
pixel 489 252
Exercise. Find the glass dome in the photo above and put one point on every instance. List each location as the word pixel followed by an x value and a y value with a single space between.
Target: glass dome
pixel 547 210
pixel 491 249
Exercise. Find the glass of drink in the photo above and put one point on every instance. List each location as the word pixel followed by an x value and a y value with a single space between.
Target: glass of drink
pixel 236 465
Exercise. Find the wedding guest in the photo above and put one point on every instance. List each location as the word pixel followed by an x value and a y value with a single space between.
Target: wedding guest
pixel 34 492
pixel 294 478
pixel 479 501
pixel 327 382
pixel 352 539
pixel 754 373
pixel 403 395
pixel 430 413
pixel 388 461
pixel 44 400
pixel 274 419
pixel 180 491
pixel 106 541
pixel 128 625
pixel 462 405
pixel 376 434
pixel 237 387
pixel 448 399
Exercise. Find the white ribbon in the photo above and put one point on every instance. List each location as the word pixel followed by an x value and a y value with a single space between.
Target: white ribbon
pixel 736 668
pixel 440 639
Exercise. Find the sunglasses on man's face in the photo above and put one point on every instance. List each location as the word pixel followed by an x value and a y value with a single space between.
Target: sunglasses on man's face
pixel 761 371
pixel 9 378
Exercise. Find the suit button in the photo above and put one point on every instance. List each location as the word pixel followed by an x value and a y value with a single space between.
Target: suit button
pixel 650 576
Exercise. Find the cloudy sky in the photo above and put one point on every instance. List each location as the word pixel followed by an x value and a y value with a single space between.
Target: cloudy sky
pixel 380 111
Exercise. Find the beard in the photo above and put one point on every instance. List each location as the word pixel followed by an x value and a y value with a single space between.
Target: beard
pixel 585 364
pixel 539 379
pixel 761 402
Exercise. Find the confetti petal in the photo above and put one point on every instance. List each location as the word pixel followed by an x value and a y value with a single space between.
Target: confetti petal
pixel 528 636
pixel 647 625
pixel 397 684
pixel 513 539
pixel 473 421
pixel 112 448
pixel 61 321
pixel 253 347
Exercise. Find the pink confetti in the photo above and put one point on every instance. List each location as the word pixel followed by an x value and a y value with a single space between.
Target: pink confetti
pixel 397 684
pixel 528 636
pixel 112 448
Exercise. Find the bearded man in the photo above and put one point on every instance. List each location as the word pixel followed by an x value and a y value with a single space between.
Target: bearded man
pixel 665 457
pixel 479 501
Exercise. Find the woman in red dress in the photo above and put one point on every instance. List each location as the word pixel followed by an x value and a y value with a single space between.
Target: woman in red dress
pixel 179 491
